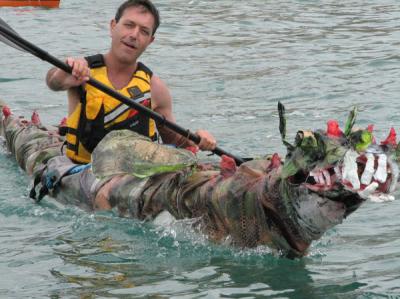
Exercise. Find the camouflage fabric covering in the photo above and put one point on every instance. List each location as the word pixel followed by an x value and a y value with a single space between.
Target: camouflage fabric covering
pixel 127 152
pixel 286 205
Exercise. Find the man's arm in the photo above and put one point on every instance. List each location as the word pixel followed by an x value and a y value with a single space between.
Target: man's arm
pixel 162 104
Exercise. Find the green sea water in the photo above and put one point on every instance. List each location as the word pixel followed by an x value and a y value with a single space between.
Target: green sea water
pixel 227 64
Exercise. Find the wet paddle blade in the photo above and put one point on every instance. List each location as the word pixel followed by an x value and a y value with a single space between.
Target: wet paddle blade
pixel 3 24
pixel 5 37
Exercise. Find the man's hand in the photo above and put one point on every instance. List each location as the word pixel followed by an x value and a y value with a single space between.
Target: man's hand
pixel 80 70
pixel 57 79
pixel 207 142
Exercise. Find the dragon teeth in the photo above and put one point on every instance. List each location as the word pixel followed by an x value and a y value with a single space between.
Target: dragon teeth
pixel 381 197
pixel 369 169
pixel 338 172
pixel 369 190
pixel 321 177
pixel 327 177
pixel 381 171
pixel 349 171
pixel 395 175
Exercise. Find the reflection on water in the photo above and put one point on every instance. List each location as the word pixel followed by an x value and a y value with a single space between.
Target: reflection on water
pixel 110 266
pixel 227 63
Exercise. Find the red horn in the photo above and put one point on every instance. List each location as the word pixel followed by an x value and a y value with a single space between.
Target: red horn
pixel 391 139
pixel 6 111
pixel 333 129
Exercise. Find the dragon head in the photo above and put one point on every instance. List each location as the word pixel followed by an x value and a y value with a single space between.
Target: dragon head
pixel 326 175
pixel 344 166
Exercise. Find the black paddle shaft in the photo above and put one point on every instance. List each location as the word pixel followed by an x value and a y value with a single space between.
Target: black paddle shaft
pixel 24 45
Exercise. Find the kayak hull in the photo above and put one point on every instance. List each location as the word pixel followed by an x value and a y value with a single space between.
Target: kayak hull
pixel 255 204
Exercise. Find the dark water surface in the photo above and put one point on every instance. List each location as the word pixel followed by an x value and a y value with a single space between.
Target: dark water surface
pixel 227 64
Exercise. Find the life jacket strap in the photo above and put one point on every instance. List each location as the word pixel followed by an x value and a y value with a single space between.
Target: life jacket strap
pixel 95 61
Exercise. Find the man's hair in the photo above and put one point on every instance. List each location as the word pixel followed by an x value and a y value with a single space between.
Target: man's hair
pixel 148 7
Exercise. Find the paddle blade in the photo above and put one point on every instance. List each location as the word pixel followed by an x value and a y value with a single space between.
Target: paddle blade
pixel 6 36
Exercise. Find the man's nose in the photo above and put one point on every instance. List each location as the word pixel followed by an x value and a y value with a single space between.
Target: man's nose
pixel 133 33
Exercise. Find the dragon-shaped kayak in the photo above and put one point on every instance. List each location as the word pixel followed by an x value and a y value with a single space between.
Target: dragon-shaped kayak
pixel 282 203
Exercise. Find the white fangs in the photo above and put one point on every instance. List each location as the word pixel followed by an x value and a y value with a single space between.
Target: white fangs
pixel 369 169
pixel 381 171
pixel 395 175
pixel 318 177
pixel 327 177
pixel 368 184
pixel 368 191
pixel 382 197
pixel 350 174
pixel 349 171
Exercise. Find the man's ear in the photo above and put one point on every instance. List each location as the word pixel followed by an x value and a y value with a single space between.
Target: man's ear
pixel 112 25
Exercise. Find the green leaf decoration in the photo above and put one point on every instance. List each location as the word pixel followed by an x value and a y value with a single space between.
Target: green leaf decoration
pixel 350 121
pixel 282 120
pixel 365 141
pixel 282 126
pixel 360 140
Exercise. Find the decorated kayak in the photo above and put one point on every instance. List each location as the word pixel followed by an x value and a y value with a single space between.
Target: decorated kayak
pixel 44 3
pixel 326 176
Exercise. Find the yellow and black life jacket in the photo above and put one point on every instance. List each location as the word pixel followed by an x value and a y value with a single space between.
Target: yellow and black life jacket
pixel 98 113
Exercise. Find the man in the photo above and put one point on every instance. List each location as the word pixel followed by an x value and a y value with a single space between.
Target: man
pixel 92 113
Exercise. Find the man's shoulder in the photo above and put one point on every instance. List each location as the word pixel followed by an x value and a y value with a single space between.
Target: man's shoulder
pixel 156 82
pixel 160 94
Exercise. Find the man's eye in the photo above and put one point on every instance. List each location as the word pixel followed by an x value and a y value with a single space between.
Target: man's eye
pixel 145 32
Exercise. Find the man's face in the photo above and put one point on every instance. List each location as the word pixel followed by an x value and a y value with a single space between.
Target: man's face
pixel 132 34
